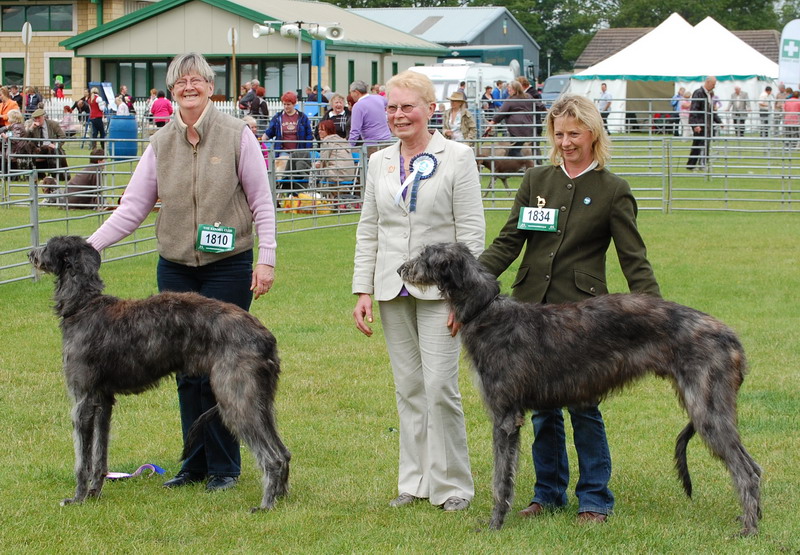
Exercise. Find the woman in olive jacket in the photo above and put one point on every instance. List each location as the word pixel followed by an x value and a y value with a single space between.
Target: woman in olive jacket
pixel 581 207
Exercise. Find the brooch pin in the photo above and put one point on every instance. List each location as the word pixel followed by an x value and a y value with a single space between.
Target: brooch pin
pixel 540 202
pixel 587 201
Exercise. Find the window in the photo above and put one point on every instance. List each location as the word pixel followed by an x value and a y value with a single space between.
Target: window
pixel 13 71
pixel 374 73
pixel 351 72
pixel 220 70
pixel 61 67
pixel 42 17
pixel 395 68
pixel 272 79
pixel 332 72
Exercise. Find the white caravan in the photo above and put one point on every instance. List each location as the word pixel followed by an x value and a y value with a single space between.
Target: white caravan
pixel 447 75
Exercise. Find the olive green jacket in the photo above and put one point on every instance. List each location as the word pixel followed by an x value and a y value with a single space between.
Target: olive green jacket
pixel 570 263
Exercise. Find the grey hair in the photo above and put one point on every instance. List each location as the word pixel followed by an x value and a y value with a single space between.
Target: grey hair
pixel 184 64
pixel 359 86
pixel 255 82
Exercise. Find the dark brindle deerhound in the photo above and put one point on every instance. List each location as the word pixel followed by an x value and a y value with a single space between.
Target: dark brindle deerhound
pixel 532 356
pixel 113 346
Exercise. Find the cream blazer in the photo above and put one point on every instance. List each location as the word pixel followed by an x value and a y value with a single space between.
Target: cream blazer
pixel 449 208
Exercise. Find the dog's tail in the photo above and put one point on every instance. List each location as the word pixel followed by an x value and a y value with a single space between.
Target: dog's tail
pixel 196 430
pixel 680 457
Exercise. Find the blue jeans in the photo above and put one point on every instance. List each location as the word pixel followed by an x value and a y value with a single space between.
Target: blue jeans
pixel 226 280
pixel 552 467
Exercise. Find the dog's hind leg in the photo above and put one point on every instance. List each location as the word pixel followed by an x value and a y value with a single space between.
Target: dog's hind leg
pixel 83 421
pixel 718 430
pixel 272 457
pixel 102 428
pixel 505 437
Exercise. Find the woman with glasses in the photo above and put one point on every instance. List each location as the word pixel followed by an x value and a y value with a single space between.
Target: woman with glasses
pixel 423 189
pixel 207 170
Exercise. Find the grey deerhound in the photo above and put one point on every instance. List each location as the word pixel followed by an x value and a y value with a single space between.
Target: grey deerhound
pixel 533 356
pixel 113 346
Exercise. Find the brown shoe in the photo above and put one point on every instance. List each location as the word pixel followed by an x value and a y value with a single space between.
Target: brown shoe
pixel 534 509
pixel 590 516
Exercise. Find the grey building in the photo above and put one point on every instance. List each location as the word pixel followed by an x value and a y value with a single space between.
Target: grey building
pixel 480 34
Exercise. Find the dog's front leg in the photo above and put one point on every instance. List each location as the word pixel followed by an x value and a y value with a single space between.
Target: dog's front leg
pixel 82 434
pixel 102 427
pixel 506 453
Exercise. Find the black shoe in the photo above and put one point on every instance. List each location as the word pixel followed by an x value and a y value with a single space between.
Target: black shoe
pixel 184 478
pixel 220 483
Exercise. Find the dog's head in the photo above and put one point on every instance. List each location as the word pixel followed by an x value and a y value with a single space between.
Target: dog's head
pixel 64 253
pixel 440 264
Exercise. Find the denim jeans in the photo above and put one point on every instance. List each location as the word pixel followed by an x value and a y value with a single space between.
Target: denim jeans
pixel 552 467
pixel 226 280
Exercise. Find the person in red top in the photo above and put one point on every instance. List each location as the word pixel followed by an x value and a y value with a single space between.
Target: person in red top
pixel 161 109
pixel 791 119
pixel 96 107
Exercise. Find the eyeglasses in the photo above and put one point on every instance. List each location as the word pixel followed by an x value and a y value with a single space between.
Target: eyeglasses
pixel 194 81
pixel 405 108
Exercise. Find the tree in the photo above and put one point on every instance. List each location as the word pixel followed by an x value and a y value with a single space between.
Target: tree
pixel 561 27
pixel 731 14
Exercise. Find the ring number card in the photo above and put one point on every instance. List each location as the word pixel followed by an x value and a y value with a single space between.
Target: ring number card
pixel 532 218
pixel 215 238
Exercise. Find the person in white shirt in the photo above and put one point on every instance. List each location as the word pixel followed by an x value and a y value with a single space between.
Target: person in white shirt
pixel 765 104
pixel 604 104
pixel 122 108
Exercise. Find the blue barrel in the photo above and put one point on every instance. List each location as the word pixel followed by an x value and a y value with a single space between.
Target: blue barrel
pixel 122 127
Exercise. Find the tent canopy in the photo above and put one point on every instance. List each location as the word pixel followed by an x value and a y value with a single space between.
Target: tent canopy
pixel 676 51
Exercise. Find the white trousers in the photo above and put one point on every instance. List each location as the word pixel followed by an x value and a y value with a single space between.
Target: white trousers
pixel 434 461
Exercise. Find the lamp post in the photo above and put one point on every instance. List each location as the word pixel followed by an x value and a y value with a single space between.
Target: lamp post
pixel 290 29
pixel 549 53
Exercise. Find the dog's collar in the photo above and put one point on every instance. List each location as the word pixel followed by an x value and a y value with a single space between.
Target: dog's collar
pixel 481 309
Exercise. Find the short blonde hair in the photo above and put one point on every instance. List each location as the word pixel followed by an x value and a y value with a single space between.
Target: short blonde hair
pixel 587 115
pixel 414 81
pixel 15 116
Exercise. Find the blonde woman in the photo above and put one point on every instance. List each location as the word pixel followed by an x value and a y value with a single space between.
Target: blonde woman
pixel 586 206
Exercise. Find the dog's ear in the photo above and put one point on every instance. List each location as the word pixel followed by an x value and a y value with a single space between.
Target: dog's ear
pixel 84 259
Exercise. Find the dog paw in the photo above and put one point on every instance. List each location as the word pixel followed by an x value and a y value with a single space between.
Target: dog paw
pixel 69 501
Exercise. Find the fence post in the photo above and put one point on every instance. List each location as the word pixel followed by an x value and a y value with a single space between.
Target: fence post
pixel 667 182
pixel 33 190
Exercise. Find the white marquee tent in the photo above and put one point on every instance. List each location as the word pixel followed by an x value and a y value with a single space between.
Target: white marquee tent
pixel 671 56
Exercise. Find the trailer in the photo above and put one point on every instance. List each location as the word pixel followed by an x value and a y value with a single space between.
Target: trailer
pixel 447 76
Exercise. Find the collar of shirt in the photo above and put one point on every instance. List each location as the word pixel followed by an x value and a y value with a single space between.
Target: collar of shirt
pixel 589 168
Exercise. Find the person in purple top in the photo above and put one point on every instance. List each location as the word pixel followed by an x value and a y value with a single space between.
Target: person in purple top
pixel 368 120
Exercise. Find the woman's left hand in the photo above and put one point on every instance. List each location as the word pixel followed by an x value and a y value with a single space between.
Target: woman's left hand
pixel 452 325
pixel 263 277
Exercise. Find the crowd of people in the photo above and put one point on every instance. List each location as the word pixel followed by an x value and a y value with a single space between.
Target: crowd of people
pixel 322 133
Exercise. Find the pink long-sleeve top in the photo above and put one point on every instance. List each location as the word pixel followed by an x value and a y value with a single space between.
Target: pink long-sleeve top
pixel 141 196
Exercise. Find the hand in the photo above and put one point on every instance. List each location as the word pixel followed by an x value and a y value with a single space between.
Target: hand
pixel 452 325
pixel 362 313
pixel 263 278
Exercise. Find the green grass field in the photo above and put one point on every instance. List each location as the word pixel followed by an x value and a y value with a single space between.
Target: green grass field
pixel 337 415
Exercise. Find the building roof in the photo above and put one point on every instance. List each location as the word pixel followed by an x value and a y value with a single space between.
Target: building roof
pixel 607 42
pixel 450 26
pixel 361 34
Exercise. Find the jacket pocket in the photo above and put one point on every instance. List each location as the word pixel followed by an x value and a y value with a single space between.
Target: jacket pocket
pixel 592 285
pixel 522 273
